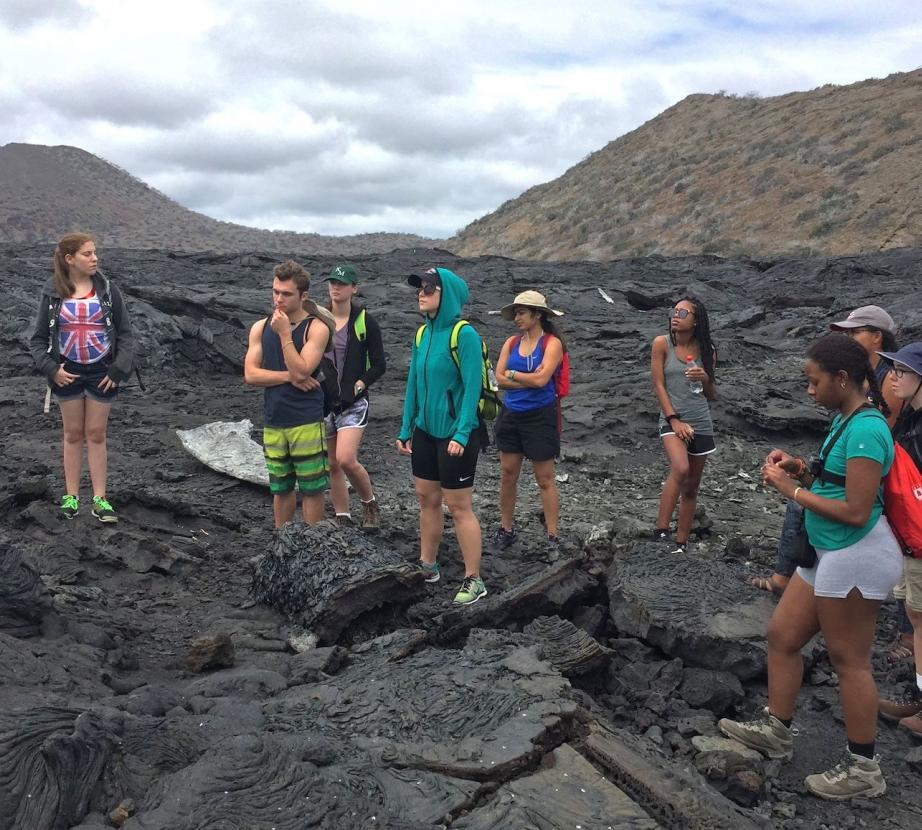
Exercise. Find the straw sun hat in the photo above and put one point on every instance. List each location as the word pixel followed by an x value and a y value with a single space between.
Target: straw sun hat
pixel 532 299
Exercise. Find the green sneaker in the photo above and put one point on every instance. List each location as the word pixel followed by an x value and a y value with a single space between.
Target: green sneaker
pixel 103 511
pixel 70 506
pixel 472 589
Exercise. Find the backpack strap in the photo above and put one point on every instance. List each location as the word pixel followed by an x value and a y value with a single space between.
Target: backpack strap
pixel 835 478
pixel 361 332
pixel 453 341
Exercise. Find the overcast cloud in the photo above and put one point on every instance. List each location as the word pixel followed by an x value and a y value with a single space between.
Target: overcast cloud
pixel 412 115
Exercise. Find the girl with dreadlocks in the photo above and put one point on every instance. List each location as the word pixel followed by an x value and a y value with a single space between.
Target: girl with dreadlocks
pixel 682 368
pixel 857 563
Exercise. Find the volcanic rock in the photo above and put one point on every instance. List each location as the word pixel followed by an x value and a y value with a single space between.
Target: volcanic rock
pixel 23 598
pixel 327 575
pixel 212 652
pixel 691 608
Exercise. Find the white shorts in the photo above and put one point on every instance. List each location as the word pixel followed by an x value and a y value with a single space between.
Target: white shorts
pixel 873 565
pixel 353 417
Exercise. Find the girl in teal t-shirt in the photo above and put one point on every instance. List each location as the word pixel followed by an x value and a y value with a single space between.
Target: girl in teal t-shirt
pixel 859 562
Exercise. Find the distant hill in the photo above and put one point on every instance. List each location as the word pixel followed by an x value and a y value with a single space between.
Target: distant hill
pixel 835 170
pixel 46 192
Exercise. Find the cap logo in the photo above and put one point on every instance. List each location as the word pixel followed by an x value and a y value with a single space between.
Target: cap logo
pixel 338 271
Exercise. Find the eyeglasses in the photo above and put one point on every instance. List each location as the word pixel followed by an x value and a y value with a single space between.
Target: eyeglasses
pixel 681 313
pixel 854 331
pixel 428 289
pixel 900 371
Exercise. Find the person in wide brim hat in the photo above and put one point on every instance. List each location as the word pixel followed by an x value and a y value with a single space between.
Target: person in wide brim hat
pixel 905 381
pixel 532 299
pixel 529 425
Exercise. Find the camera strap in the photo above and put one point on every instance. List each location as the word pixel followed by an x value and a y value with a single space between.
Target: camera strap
pixel 826 449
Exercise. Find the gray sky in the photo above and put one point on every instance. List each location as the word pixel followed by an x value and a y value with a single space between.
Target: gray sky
pixel 347 116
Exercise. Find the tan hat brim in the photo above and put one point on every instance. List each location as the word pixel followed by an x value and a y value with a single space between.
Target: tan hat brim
pixel 507 312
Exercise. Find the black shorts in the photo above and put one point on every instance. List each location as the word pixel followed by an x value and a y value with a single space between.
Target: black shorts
pixel 431 462
pixel 86 385
pixel 533 434
pixel 699 445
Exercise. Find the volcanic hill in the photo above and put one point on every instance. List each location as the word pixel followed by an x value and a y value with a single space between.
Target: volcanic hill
pixel 834 170
pixel 46 192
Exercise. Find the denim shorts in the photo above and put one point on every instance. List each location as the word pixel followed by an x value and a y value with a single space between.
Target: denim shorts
pixel 86 385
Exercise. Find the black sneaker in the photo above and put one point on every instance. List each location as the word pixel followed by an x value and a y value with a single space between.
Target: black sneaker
pixel 502 538
pixel 660 534
pixel 680 547
pixel 103 511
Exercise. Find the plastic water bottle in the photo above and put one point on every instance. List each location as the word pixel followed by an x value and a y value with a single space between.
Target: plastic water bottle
pixel 696 386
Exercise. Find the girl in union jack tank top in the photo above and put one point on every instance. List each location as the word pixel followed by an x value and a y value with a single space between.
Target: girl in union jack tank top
pixel 83 344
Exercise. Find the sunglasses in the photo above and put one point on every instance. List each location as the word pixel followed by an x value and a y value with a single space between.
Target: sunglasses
pixel 853 332
pixel 681 313
pixel 428 289
pixel 901 371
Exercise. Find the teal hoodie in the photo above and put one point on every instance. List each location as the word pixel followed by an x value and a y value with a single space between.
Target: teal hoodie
pixel 440 399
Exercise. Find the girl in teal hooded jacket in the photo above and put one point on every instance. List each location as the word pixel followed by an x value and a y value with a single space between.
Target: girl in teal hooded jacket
pixel 440 428
pixel 441 399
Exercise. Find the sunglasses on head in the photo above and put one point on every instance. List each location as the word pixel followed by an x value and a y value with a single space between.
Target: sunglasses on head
pixel 428 288
pixel 681 313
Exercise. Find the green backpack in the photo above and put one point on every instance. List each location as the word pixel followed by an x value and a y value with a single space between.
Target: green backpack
pixel 488 406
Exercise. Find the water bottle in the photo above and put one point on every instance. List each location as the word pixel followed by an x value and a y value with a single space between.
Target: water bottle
pixel 696 386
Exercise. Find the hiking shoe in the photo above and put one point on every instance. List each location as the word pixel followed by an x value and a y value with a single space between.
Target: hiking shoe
pixel 680 547
pixel 502 538
pixel 853 777
pixel 552 549
pixel 371 516
pixel 70 506
pixel 660 534
pixel 103 511
pixel 344 520
pixel 431 573
pixel 912 725
pixel 765 734
pixel 471 590
pixel 905 705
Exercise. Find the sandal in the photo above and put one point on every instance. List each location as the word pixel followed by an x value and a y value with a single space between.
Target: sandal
pixel 900 653
pixel 768 583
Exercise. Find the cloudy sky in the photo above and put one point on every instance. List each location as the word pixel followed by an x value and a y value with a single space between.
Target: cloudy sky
pixel 405 115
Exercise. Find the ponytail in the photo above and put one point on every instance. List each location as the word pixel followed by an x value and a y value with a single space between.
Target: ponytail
pixel 549 327
pixel 874 392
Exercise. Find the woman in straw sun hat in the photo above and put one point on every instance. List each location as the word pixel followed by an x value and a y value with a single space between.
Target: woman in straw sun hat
pixel 528 425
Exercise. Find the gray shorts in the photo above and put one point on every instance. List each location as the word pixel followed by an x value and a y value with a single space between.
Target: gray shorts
pixel 873 565
pixel 353 417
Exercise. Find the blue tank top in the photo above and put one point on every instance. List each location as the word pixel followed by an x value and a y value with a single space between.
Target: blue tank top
pixel 525 400
pixel 285 405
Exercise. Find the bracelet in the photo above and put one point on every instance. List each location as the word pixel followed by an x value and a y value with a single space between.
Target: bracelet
pixel 288 343
pixel 670 417
pixel 796 491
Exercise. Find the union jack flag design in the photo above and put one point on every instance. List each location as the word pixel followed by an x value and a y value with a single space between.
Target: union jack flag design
pixel 82 330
